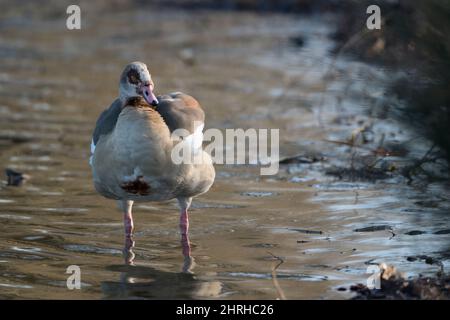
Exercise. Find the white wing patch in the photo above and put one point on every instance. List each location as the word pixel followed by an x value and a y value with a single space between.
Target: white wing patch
pixel 195 140
pixel 92 152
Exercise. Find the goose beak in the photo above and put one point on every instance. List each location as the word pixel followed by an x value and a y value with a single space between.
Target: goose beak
pixel 149 96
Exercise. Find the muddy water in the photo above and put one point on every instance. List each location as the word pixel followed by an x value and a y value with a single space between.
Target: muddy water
pixel 246 73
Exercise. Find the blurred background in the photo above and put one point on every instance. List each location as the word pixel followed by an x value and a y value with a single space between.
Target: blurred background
pixel 365 146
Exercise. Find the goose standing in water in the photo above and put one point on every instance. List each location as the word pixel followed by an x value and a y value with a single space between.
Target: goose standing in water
pixel 132 149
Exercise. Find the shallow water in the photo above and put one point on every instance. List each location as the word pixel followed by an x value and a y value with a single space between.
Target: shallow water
pixel 246 73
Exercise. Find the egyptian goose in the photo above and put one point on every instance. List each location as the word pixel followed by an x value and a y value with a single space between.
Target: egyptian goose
pixel 132 148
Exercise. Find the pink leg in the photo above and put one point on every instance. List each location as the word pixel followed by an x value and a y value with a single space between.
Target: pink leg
pixel 128 223
pixel 184 230
pixel 127 206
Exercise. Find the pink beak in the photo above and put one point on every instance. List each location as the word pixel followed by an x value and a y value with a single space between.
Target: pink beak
pixel 149 96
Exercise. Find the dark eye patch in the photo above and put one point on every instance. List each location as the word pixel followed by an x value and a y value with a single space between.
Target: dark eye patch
pixel 133 76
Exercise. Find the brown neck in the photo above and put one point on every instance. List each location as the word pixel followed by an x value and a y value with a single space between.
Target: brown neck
pixel 136 101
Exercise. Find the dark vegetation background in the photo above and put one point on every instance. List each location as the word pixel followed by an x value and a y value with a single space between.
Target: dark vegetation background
pixel 415 38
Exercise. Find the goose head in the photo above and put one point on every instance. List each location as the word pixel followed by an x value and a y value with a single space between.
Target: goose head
pixel 136 81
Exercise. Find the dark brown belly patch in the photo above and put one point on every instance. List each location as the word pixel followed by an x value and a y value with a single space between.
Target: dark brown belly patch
pixel 138 186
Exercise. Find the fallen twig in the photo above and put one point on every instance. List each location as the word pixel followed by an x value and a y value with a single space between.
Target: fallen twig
pixel 275 266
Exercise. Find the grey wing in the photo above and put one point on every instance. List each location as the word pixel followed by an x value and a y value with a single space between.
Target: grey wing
pixel 105 123
pixel 107 120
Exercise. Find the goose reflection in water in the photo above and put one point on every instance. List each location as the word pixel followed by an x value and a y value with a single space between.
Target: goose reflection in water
pixel 143 282
pixel 188 264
